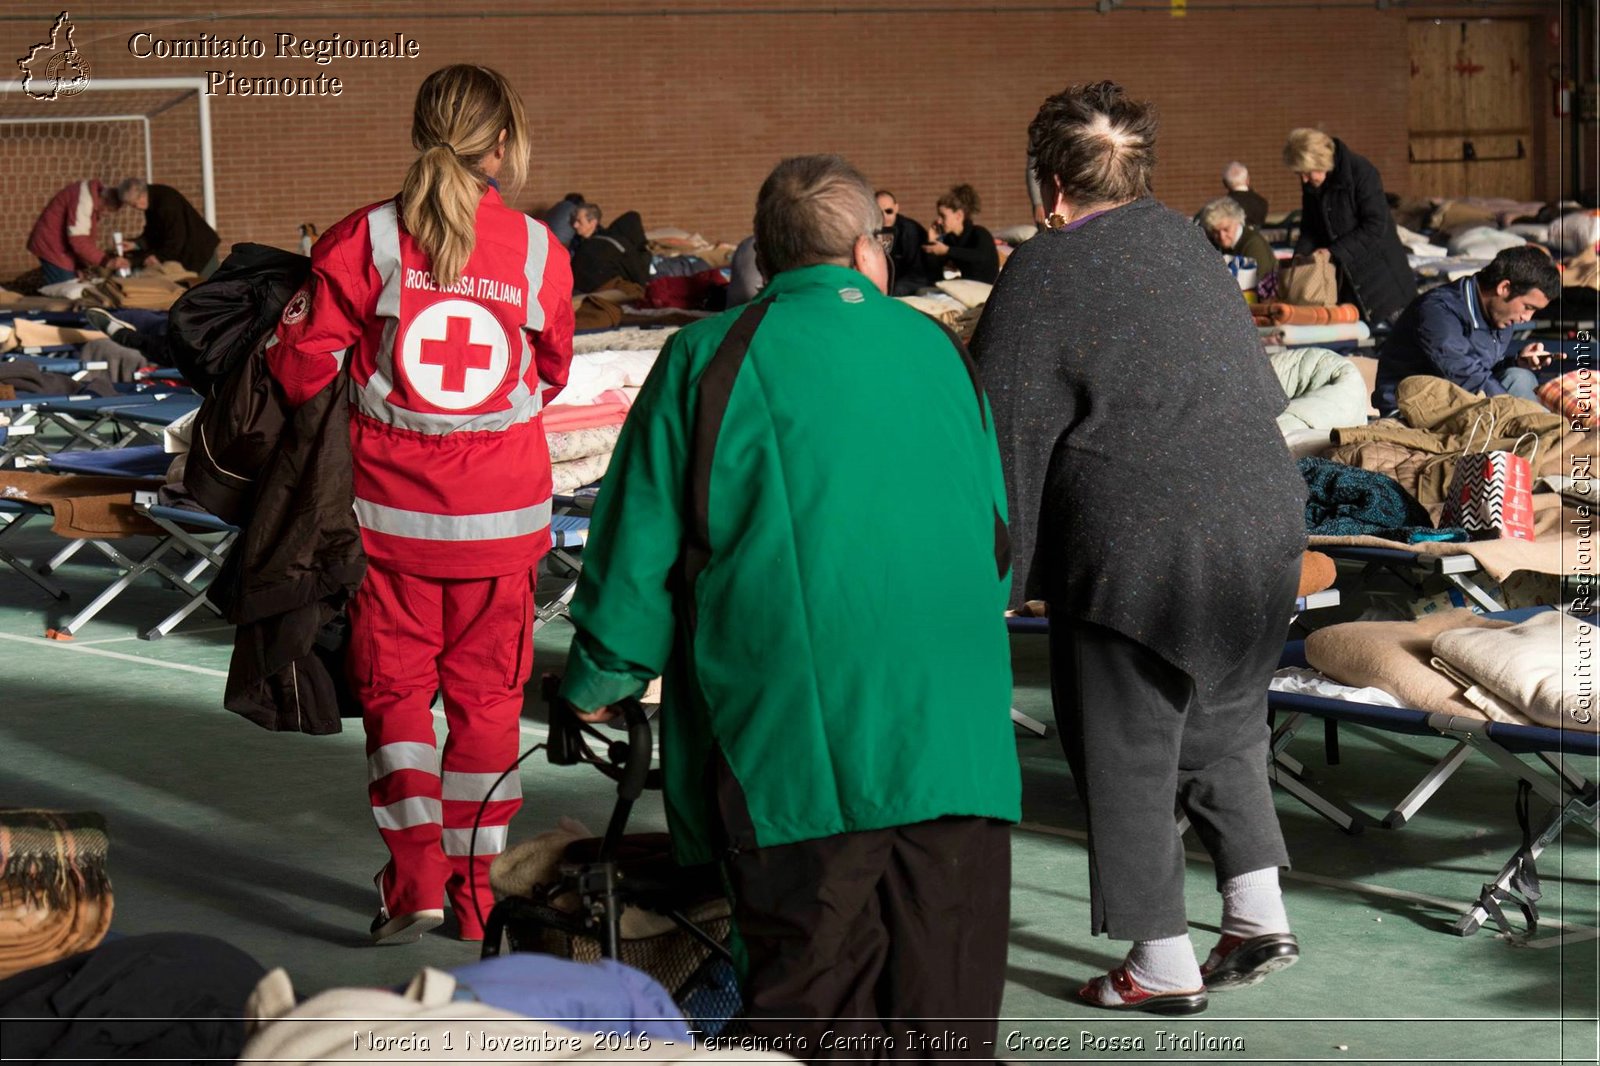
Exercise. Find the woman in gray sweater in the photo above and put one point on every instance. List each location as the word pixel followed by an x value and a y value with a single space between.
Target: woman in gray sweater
pixel 1154 506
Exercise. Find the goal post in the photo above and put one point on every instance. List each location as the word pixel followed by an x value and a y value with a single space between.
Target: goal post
pixel 158 129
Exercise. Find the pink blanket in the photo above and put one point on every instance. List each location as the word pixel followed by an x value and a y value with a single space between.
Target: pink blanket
pixel 609 409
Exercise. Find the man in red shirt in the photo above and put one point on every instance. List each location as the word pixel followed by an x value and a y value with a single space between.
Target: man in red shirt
pixel 63 237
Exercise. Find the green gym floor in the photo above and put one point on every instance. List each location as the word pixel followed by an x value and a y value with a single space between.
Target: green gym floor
pixel 265 840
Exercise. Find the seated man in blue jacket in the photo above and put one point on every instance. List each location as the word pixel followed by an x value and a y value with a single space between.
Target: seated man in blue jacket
pixel 1462 331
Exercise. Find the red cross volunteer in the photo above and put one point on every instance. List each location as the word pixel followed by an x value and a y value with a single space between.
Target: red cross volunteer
pixel 453 341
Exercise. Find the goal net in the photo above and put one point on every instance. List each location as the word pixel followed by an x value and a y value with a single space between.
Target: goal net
pixel 156 129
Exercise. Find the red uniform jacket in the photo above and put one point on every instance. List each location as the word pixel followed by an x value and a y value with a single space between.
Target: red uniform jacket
pixel 64 234
pixel 452 471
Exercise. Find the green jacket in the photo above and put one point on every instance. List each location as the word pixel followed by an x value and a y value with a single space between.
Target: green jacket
pixel 808 541
pixel 1257 247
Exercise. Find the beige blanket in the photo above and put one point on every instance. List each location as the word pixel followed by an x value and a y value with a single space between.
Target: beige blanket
pixel 1544 667
pixel 1394 656
pixel 1437 417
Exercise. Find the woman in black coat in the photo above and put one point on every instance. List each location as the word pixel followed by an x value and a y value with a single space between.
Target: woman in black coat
pixel 1343 209
pixel 1154 506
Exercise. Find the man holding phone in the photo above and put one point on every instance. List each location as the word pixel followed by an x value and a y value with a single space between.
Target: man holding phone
pixel 1464 332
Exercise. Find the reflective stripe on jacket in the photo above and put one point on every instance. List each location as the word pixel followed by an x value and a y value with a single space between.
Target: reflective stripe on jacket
pixel 452 472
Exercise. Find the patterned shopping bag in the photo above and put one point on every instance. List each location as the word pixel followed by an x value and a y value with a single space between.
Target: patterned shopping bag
pixel 1491 493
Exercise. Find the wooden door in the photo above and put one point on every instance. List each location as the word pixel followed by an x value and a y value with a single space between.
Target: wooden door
pixel 1470 119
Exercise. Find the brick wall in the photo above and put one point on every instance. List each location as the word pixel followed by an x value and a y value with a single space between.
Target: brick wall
pixel 681 115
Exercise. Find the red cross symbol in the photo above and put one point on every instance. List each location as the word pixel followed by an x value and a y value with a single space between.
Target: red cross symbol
pixel 456 354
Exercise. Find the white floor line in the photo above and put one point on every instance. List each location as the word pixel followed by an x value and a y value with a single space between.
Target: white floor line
pixel 538 731
pixel 1577 936
pixel 72 645
pixel 169 636
pixel 1453 905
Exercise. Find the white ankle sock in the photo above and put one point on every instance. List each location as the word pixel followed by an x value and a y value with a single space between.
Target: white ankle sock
pixel 1252 905
pixel 1164 965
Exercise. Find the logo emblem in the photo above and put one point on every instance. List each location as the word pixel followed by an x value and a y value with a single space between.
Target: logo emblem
pixel 455 354
pixel 851 295
pixel 54 68
pixel 297 307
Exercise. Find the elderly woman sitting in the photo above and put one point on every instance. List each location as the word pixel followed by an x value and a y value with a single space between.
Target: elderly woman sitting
pixel 1225 227
pixel 1155 507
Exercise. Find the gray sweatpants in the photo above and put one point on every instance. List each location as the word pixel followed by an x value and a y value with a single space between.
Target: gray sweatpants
pixel 1143 743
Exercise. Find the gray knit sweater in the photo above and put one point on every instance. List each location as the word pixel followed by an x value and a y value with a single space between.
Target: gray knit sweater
pixel 1149 488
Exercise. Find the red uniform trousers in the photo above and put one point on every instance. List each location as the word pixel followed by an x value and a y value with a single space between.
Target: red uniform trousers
pixel 412 637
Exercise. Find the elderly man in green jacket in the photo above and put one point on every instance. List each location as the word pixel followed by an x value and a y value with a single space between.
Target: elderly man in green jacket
pixel 803 530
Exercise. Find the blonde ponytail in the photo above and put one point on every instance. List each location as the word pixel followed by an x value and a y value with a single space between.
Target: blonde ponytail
pixel 460 115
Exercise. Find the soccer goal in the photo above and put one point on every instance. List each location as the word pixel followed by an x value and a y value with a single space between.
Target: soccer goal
pixel 158 129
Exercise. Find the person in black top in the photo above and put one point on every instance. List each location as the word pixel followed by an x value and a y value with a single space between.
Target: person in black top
pixel 962 244
pixel 173 229
pixel 910 263
pixel 1236 179
pixel 1158 705
pixel 601 253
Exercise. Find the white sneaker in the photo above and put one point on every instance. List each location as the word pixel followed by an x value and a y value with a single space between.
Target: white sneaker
pixel 106 322
pixel 401 928
pixel 404 928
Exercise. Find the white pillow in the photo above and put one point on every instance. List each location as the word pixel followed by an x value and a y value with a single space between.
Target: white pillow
pixel 970 293
pixel 1015 235
pixel 1573 233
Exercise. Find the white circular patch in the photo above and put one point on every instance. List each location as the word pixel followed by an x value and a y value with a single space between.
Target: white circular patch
pixel 455 354
pixel 851 296
pixel 297 308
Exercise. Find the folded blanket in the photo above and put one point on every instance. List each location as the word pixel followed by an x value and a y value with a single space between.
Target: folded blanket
pixel 1544 667
pixel 1282 314
pixel 1394 657
pixel 55 897
pixel 582 443
pixel 608 409
pixel 564 477
pixel 970 293
pixel 592 374
pixel 32 334
pixel 122 364
pixel 1295 335
pixel 946 309
pixel 1345 501
pixel 626 339
pixel 16 301
pixel 148 291
pixel 84 507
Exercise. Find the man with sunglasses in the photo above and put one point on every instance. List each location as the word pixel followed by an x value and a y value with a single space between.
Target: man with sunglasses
pixel 905 238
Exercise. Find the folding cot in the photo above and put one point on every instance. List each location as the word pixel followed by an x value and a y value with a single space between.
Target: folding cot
pixel 569 530
pixel 136 417
pixel 80 418
pixel 1461 571
pixel 1041 626
pixel 181 535
pixel 1572 794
